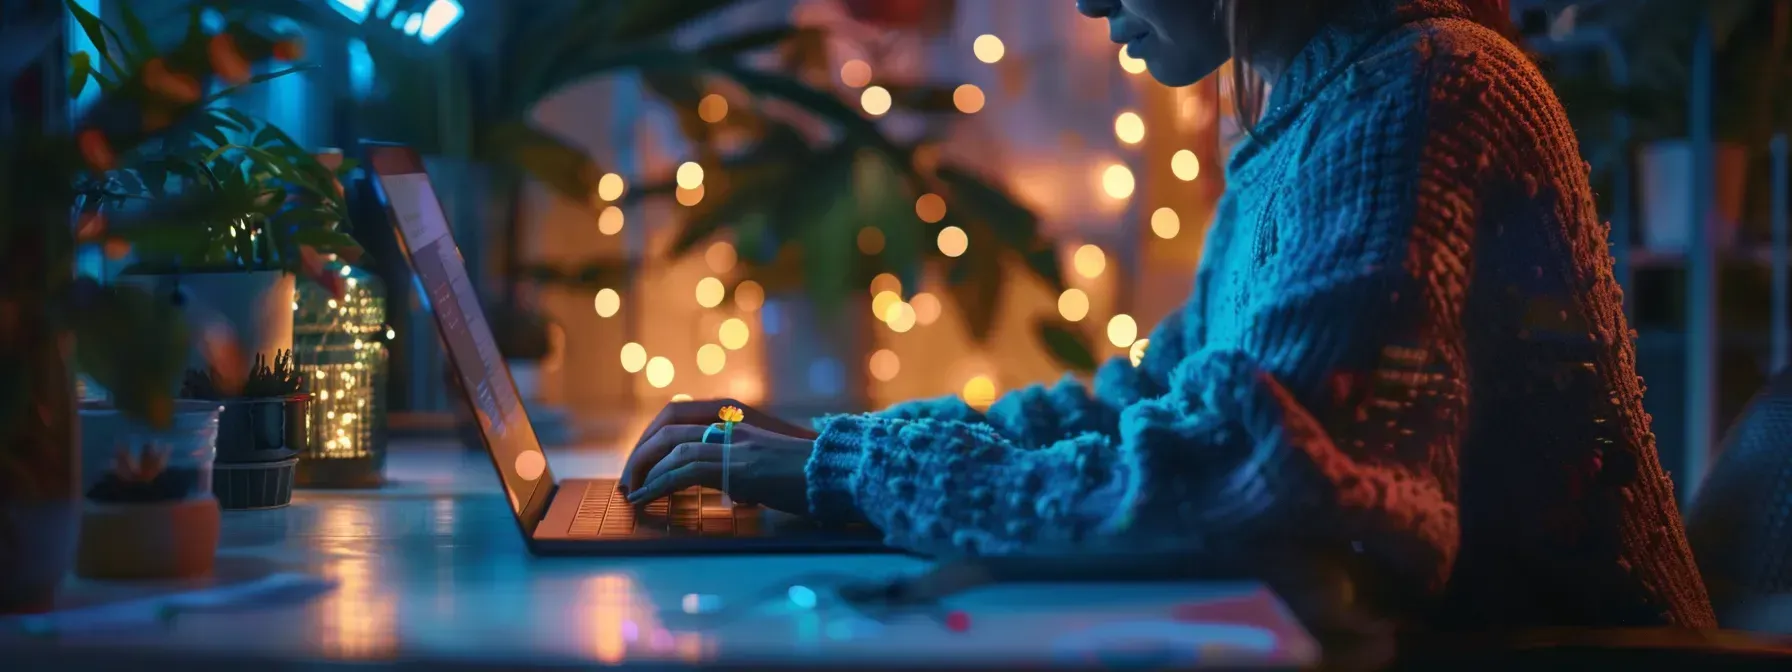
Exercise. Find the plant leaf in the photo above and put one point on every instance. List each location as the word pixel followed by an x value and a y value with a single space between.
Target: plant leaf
pixel 252 81
pixel 976 283
pixel 141 43
pixel 741 43
pixel 648 19
pixel 134 346
pixel 562 167
pixel 1070 346
pixel 95 32
pixel 80 69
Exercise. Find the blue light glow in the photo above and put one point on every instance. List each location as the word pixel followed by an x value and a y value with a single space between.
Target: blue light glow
pixel 802 597
pixel 399 19
pixel 360 69
pixel 385 8
pixel 411 25
pixel 355 10
pixel 438 19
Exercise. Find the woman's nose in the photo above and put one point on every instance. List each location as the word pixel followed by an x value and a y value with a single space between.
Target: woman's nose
pixel 1096 9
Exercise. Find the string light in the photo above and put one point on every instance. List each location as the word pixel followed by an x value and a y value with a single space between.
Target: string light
pixel 721 256
pixel 338 347
pixel 900 316
pixel 713 108
pixel 1129 64
pixel 968 98
pixel 1129 127
pixel 1185 165
pixel 609 222
pixel 1117 181
pixel 711 358
pixel 927 308
pixel 1166 223
pixel 886 282
pixel 876 101
pixel 1123 331
pixel 710 292
pixel 880 304
pixel 607 302
pixel 871 240
pixel 660 372
pixel 855 73
pixel 689 197
pixel 690 175
pixel 1073 305
pixel 930 208
pixel 988 48
pixel 610 187
pixel 884 365
pixel 733 334
pixel 634 357
pixel 953 242
pixel 1089 261
pixel 749 296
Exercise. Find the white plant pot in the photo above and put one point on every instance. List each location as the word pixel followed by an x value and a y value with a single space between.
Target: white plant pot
pixel 1665 173
pixel 258 305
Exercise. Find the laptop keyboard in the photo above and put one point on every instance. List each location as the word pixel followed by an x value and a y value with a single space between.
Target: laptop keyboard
pixel 696 512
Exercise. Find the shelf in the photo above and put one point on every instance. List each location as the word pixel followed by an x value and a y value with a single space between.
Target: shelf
pixel 1641 258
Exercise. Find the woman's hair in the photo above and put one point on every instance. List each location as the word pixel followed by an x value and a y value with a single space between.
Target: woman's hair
pixel 1281 27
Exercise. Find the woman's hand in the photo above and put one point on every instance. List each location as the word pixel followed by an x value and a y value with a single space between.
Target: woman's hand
pixel 704 412
pixel 763 467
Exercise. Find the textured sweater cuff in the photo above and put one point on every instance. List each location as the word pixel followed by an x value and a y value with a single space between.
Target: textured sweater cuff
pixel 833 469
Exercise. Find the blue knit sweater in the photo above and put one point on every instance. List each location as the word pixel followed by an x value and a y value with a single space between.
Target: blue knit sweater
pixel 1404 340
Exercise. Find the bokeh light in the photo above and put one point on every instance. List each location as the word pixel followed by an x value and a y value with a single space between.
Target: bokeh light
pixel 979 392
pixel 953 241
pixel 711 358
pixel 1185 165
pixel 930 208
pixel 610 187
pixel 633 357
pixel 1117 181
pixel 884 365
pixel 1089 261
pixel 870 240
pixel 968 98
pixel 733 334
pixel 886 282
pixel 689 197
pixel 710 292
pixel 1166 223
pixel 988 48
pixel 880 304
pixel 1129 128
pixel 1123 331
pixel 713 108
pixel 876 101
pixel 1137 352
pixel 690 175
pixel 660 372
pixel 927 308
pixel 720 257
pixel 609 222
pixel 749 296
pixel 900 316
pixel 607 302
pixel 1073 305
pixel 855 73
pixel 1129 64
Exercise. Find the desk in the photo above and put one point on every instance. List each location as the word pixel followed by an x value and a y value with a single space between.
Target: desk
pixel 431 572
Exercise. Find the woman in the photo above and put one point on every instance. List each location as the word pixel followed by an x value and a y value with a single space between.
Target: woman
pixel 1405 345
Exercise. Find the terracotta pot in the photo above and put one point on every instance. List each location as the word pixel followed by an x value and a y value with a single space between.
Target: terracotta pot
pixel 165 540
pixel 1665 182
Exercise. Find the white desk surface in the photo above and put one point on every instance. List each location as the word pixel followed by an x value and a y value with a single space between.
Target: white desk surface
pixel 431 572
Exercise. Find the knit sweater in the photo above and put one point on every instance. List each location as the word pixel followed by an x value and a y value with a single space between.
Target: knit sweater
pixel 1405 342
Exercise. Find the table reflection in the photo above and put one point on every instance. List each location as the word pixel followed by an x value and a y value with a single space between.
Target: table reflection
pixel 358 620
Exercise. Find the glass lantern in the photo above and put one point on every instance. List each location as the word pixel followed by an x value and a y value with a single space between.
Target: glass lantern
pixel 339 346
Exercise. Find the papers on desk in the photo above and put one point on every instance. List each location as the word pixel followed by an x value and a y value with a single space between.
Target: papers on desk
pixel 271 591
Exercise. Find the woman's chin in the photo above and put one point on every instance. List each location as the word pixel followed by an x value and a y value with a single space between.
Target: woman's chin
pixel 1171 75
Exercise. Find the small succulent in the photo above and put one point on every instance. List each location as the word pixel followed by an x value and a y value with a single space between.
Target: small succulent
pixel 265 381
pixel 140 467
pixel 143 476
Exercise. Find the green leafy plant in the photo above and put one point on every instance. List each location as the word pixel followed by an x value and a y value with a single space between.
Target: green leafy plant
pixel 265 381
pixel 793 203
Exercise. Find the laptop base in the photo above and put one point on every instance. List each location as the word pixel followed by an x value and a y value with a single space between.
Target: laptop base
pixel 589 517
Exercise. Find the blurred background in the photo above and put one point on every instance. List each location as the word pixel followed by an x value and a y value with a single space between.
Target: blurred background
pixel 831 205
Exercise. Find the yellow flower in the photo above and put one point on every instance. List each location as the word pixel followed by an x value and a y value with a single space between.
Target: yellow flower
pixel 732 414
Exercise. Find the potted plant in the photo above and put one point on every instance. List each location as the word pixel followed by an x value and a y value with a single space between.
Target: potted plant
pixel 53 323
pixel 260 433
pixel 150 513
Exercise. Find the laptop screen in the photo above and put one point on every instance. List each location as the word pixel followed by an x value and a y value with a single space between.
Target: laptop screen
pixel 451 298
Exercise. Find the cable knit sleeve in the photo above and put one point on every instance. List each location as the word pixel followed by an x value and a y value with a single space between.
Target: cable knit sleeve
pixel 1329 403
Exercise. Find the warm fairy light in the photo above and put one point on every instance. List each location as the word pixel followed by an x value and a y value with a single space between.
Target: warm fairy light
pixel 953 241
pixel 1137 352
pixel 979 392
pixel 880 304
pixel 688 197
pixel 634 357
pixel 1129 128
pixel 1073 304
pixel 690 175
pixel 876 101
pixel 886 282
pixel 1166 223
pixel 681 397
pixel 1089 261
pixel 1123 331
pixel 609 222
pixel 930 208
pixel 713 108
pixel 900 316
pixel 927 308
pixel 660 372
pixel 1117 181
pixel 1185 165
pixel 1130 64
pixel 871 240
pixel 988 48
pixel 885 365
pixel 855 73
pixel 733 333
pixel 710 292
pixel 711 358
pixel 720 257
pixel 749 296
pixel 968 98
pixel 607 302
pixel 610 187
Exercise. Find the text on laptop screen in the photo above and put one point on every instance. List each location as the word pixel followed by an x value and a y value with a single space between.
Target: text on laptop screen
pixel 468 338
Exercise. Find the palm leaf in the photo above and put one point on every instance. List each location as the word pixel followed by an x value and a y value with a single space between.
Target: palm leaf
pixel 560 166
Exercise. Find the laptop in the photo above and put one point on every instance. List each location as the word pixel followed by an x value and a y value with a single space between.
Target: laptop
pixel 572 516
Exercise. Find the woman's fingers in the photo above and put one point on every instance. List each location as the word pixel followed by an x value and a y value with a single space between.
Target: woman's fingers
pixel 683 454
pixel 692 474
pixel 653 449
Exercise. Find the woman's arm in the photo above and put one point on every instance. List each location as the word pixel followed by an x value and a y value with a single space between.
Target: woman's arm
pixel 1336 418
